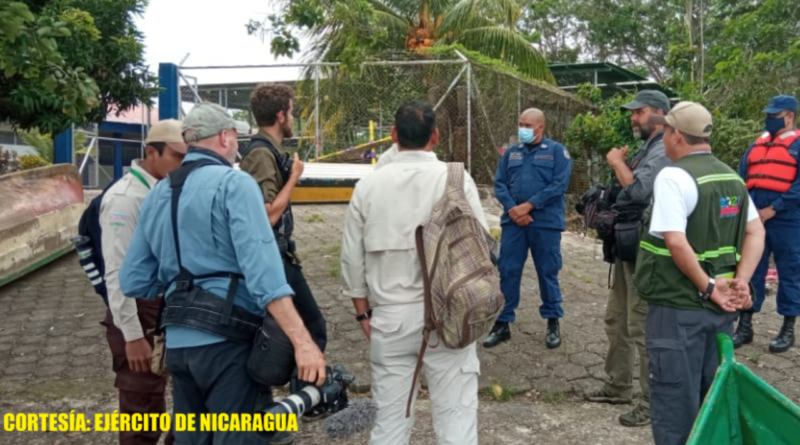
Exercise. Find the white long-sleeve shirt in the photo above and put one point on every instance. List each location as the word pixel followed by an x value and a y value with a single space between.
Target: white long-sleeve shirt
pixel 379 254
pixel 119 213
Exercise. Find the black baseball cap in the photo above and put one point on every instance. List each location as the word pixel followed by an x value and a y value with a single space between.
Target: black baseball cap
pixel 653 98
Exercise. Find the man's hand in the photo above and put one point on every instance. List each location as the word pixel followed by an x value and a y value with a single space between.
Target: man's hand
pixel 742 289
pixel 366 327
pixel 617 155
pixel 524 221
pixel 310 363
pixel 139 355
pixel 730 294
pixel 297 167
pixel 766 214
pixel 519 211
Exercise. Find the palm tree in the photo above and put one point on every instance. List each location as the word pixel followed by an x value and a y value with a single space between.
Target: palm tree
pixel 44 145
pixel 338 29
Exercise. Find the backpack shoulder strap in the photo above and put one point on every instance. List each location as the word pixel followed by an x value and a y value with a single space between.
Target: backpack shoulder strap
pixel 259 142
pixel 455 180
pixel 177 178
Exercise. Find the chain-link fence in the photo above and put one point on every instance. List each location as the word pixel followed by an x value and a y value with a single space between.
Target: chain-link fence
pixel 342 116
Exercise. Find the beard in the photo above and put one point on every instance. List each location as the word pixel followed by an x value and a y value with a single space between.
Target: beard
pixel 642 133
pixel 287 130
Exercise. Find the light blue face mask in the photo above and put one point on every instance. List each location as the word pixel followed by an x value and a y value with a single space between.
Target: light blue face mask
pixel 525 135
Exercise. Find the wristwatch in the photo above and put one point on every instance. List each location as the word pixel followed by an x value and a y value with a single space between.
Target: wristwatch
pixel 709 290
pixel 364 316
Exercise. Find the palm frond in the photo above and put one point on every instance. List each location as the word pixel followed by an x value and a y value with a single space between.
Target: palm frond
pixel 509 46
pixel 438 8
pixel 467 14
pixel 42 143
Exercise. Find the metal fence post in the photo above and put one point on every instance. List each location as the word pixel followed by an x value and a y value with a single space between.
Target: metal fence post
pixel 469 117
pixel 169 99
pixel 317 132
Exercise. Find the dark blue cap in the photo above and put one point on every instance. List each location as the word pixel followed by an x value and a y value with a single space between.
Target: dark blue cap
pixel 781 103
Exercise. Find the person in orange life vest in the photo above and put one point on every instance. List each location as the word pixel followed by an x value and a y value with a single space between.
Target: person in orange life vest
pixel 769 167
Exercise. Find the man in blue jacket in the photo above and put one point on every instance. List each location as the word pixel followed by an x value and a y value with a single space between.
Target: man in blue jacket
pixel 530 182
pixel 769 167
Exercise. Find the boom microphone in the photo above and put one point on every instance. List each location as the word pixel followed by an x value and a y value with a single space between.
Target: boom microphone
pixel 357 417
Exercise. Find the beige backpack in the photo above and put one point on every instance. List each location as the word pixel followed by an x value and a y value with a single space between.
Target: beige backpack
pixel 462 285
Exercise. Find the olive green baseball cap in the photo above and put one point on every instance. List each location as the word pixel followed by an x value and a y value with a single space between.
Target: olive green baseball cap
pixel 653 98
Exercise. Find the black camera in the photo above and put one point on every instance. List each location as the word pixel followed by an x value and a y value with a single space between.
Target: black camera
pixel 305 398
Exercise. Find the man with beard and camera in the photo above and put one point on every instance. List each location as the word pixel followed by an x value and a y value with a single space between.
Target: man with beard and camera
pixel 277 174
pixel 626 311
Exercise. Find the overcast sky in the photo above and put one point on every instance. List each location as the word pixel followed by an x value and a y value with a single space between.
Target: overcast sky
pixel 213 34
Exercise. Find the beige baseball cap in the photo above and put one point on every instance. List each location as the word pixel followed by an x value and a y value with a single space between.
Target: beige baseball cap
pixel 168 130
pixel 687 117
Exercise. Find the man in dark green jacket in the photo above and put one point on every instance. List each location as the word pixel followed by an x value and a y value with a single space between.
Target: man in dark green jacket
pixel 704 242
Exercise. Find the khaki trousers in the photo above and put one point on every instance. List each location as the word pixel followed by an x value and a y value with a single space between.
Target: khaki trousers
pixel 626 314
pixel 452 376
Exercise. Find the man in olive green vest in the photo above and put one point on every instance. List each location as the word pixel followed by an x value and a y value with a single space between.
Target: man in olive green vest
pixel 703 244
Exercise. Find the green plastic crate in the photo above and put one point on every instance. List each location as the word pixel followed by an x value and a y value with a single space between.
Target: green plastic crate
pixel 742 409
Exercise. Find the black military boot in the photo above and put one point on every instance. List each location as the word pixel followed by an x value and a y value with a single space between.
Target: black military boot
pixel 553 339
pixel 500 332
pixel 785 338
pixel 744 331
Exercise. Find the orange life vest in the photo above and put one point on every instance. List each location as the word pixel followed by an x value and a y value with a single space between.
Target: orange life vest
pixel 770 166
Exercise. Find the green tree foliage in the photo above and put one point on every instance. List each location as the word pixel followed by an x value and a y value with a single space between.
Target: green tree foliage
pixel 756 56
pixel 595 133
pixel 69 61
pixel 554 29
pixel 44 145
pixel 350 31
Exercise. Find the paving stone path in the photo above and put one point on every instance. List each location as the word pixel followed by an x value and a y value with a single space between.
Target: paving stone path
pixel 53 354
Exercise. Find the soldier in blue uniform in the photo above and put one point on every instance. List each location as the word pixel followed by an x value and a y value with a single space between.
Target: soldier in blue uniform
pixel 530 182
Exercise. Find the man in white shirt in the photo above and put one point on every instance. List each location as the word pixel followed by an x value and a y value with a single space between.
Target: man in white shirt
pixel 704 242
pixel 382 275
pixel 128 320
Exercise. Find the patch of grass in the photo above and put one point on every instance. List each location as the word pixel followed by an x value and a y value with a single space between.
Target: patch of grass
pixel 552 397
pixel 335 250
pixel 334 270
pixel 315 218
pixel 754 358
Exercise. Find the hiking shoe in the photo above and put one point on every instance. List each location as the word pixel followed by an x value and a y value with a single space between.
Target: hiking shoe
pixel 638 416
pixel 604 395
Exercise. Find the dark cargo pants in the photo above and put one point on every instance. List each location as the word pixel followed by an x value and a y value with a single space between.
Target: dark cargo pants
pixel 214 379
pixel 139 392
pixel 682 348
